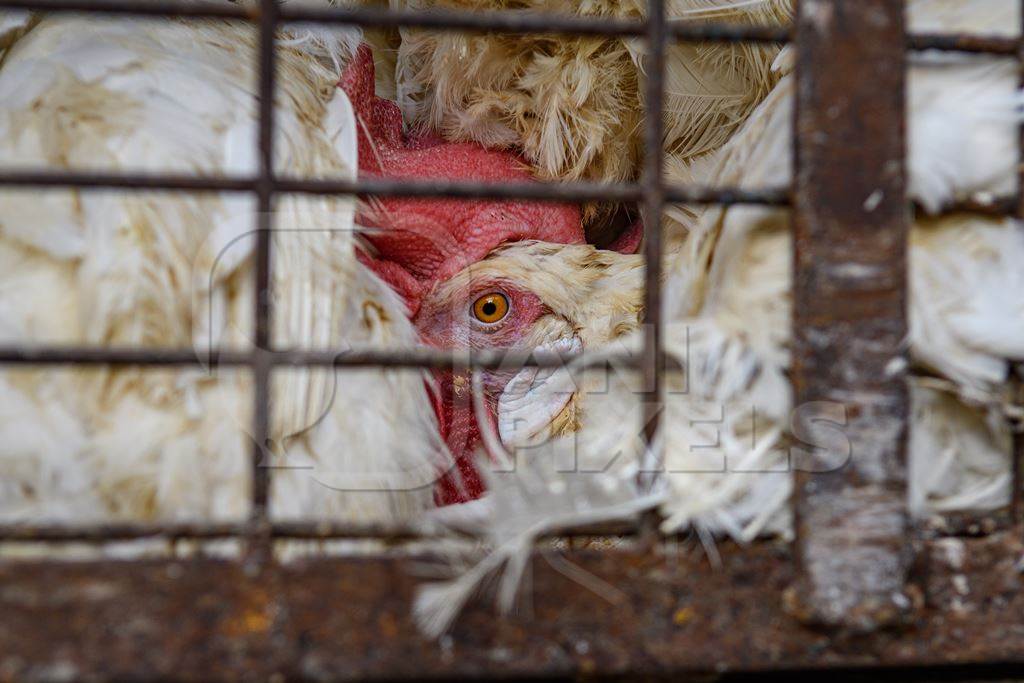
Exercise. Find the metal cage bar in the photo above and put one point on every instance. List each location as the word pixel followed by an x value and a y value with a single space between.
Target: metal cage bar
pixel 265 185
pixel 1016 371
pixel 349 619
pixel 653 204
pixel 266 621
pixel 263 295
pixel 851 229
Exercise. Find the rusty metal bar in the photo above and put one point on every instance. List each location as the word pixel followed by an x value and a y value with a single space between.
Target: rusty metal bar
pixel 506 22
pixel 1016 371
pixel 437 20
pixel 480 21
pixel 377 187
pixel 851 222
pixel 995 206
pixel 962 42
pixel 425 358
pixel 105 531
pixel 1017 441
pixel 349 619
pixel 22 532
pixel 964 524
pixel 85 355
pixel 653 185
pixel 263 309
pixel 99 180
pixel 138 8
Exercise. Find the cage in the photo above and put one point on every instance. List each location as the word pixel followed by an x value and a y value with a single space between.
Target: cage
pixel 858 589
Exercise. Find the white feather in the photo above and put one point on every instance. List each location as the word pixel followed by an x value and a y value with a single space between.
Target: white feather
pixel 173 270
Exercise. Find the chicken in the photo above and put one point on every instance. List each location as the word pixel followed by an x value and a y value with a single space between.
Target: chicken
pixel 966 305
pixel 574 104
pixel 487 275
pixel 727 289
pixel 149 269
pixel 725 431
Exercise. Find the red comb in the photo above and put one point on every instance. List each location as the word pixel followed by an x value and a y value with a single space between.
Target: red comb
pixel 432 239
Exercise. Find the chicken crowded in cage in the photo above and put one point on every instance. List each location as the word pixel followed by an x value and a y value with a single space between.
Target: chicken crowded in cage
pixel 163 270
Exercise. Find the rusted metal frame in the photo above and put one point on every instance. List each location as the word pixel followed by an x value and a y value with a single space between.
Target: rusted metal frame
pixel 851 223
pixel 654 196
pixel 263 299
pixel 334 618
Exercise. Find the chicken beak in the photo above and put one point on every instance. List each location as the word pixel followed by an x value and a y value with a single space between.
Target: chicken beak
pixel 535 397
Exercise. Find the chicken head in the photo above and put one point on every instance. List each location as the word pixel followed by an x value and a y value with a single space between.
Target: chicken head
pixel 485 275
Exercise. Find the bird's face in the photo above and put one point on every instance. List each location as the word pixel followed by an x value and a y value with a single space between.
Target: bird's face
pixel 485 275
pixel 523 296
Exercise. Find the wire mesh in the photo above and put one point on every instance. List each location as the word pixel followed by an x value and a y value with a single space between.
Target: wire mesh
pixel 652 192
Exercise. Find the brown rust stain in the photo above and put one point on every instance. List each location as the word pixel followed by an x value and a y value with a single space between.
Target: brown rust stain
pixel 849 322
pixel 333 618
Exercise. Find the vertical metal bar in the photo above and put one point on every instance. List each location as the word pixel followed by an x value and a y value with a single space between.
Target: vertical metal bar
pixel 1017 454
pixel 261 366
pixel 851 223
pixel 653 189
pixel 1017 372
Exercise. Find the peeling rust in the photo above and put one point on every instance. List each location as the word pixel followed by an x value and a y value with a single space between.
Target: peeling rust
pixel 348 619
pixel 851 222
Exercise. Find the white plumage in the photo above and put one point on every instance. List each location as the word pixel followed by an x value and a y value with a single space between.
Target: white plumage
pixel 174 270
pixel 728 279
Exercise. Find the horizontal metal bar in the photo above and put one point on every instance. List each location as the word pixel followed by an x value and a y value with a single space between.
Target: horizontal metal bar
pixel 140 8
pixel 641 614
pixel 505 22
pixel 968 523
pixel 87 355
pixel 996 206
pixel 728 32
pixel 437 20
pixel 974 523
pixel 102 180
pixel 377 187
pixel 727 196
pixel 426 358
pixel 476 21
pixel 534 23
pixel 964 42
pixel 26 532
pixel 106 532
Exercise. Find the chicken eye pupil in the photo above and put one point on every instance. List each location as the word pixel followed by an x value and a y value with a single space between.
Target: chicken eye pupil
pixel 490 308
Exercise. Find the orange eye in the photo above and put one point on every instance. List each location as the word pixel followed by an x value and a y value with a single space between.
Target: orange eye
pixel 490 308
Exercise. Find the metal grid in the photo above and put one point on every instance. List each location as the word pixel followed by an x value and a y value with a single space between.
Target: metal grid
pixel 651 192
pixel 810 197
